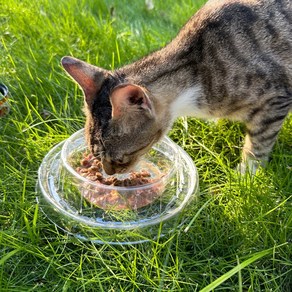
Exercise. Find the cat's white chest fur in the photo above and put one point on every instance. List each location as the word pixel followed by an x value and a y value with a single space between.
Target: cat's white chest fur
pixel 186 103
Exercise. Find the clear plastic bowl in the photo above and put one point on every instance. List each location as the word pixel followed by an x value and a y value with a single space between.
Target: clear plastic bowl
pixel 115 214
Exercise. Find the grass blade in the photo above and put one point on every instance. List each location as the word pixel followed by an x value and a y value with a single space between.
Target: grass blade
pixel 8 255
pixel 237 269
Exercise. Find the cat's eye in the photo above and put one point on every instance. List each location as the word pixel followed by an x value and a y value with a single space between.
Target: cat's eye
pixel 143 148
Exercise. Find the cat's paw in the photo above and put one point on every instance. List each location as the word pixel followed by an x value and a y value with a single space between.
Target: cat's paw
pixel 248 167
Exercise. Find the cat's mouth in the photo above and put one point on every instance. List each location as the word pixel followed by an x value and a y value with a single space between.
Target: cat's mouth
pixel 110 167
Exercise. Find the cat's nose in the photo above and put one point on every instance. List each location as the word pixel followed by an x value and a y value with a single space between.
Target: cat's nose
pixel 108 167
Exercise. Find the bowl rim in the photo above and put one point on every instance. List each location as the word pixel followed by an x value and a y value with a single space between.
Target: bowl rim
pixel 93 184
pixel 3 90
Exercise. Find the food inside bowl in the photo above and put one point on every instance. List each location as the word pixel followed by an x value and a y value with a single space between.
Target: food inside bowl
pixel 91 168
pixel 119 192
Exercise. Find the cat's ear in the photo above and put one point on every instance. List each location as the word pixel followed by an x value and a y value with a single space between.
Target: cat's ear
pixel 127 98
pixel 89 77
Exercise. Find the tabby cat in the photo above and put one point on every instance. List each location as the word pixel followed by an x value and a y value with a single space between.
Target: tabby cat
pixel 232 59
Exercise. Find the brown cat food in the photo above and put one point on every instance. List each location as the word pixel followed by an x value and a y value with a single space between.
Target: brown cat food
pixel 91 168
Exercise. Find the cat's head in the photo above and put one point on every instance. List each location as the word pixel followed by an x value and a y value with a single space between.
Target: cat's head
pixel 121 123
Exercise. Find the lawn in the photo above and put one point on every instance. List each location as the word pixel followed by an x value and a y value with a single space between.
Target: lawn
pixel 237 235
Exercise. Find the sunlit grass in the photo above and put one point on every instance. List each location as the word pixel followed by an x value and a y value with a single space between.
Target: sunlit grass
pixel 237 219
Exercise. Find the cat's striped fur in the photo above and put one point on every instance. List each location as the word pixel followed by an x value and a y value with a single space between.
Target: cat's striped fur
pixel 233 59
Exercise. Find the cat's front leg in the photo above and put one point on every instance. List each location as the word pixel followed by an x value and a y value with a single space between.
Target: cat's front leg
pixel 250 160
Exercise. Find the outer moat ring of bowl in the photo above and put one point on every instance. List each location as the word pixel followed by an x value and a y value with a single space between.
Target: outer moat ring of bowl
pixel 48 198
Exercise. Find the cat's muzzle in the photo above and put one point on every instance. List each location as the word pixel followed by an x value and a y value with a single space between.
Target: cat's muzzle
pixel 110 167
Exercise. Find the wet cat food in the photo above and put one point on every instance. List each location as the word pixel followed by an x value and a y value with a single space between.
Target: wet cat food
pixel 117 199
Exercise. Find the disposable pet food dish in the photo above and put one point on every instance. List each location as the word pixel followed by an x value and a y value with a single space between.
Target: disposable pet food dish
pixel 4 105
pixel 78 197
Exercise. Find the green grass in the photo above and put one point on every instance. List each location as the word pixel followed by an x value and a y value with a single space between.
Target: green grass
pixel 237 236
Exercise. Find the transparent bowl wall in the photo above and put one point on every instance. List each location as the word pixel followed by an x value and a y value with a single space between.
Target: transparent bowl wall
pixel 161 161
pixel 62 193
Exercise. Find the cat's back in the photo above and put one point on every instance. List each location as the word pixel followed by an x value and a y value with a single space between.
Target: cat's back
pixel 241 32
pixel 256 27
pixel 247 24
pixel 239 48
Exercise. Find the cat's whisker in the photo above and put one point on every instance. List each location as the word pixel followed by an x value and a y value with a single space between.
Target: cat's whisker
pixel 102 142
